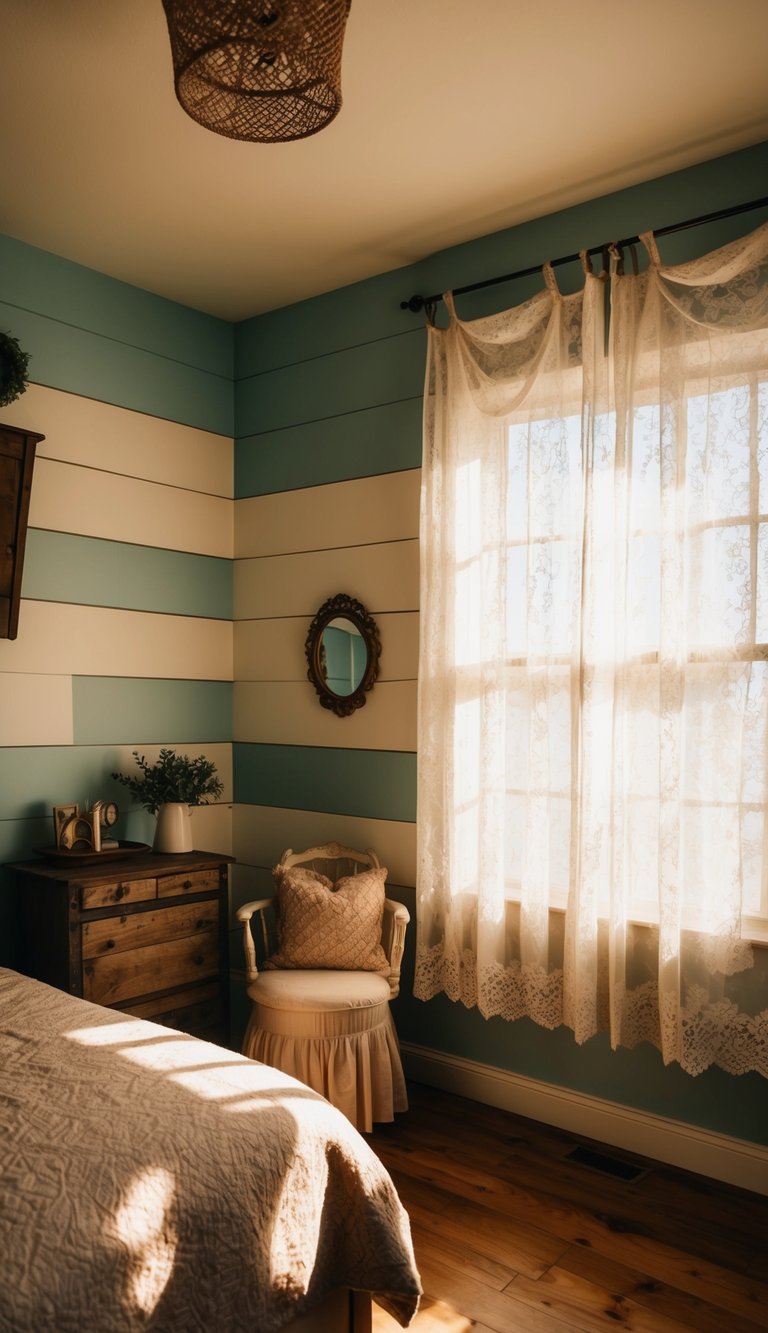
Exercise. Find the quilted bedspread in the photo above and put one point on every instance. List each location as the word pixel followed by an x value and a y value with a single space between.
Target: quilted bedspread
pixel 150 1180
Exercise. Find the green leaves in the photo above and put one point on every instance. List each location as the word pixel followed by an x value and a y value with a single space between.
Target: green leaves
pixel 174 777
pixel 13 369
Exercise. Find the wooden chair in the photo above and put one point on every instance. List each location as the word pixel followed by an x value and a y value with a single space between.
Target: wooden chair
pixel 331 1029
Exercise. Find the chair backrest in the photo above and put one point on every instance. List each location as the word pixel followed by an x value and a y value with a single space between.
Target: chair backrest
pixel 336 861
pixel 331 859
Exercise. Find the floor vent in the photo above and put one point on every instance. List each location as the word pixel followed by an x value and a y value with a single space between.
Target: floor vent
pixel 610 1166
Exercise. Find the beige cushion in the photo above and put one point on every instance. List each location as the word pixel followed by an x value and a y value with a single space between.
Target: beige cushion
pixel 320 925
pixel 319 989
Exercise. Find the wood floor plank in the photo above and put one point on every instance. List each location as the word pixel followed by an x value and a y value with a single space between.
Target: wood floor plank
pixel 689 1310
pixel 512 1235
pixel 590 1306
pixel 512 1246
pixel 501 1311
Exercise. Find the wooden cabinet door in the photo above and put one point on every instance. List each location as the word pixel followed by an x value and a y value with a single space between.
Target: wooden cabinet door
pixel 17 456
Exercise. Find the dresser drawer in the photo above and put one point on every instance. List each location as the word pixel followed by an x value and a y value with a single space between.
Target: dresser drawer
pixel 114 978
pixel 145 933
pixel 122 891
pixel 117 933
pixel 193 997
pixel 197 1010
pixel 193 881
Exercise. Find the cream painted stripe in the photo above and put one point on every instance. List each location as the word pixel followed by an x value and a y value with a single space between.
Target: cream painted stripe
pixel 94 434
pixel 274 649
pixel 36 710
pixel 103 641
pixel 262 833
pixel 70 498
pixel 384 577
pixel 274 713
pixel 347 513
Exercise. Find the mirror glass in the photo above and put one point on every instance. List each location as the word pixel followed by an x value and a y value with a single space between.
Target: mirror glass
pixel 342 651
pixel 344 656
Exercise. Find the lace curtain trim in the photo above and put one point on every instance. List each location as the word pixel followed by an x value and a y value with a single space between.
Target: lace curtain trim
pixel 697 1032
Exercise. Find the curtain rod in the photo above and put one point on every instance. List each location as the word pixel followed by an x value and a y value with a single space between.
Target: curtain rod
pixel 416 303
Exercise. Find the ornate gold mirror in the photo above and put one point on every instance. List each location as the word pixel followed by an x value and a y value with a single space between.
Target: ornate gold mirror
pixel 343 650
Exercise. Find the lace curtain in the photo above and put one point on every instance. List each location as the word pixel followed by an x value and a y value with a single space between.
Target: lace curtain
pixel 593 694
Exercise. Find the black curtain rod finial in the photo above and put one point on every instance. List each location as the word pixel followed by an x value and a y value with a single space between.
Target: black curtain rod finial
pixel 415 303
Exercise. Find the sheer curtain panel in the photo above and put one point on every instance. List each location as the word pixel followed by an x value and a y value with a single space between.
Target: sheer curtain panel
pixel 593 695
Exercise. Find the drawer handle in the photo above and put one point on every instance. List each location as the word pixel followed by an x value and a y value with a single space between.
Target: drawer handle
pixel 187 884
pixel 119 892
pixel 199 960
pixel 110 944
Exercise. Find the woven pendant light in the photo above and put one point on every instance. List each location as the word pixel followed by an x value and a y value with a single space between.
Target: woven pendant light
pixel 262 70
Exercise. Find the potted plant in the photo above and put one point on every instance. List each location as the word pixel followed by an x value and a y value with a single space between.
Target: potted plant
pixel 13 369
pixel 167 789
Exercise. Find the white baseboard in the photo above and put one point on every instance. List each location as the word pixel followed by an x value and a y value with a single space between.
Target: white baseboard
pixel 734 1161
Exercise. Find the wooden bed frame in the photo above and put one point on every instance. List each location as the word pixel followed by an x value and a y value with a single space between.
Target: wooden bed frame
pixel 344 1311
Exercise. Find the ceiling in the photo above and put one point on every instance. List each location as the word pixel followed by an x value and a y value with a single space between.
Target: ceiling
pixel 460 117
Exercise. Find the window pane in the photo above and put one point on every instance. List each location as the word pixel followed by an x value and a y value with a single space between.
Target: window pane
pixel 717 463
pixel 762 444
pixel 719 588
pixel 761 626
pixel 643 594
pixel 645 477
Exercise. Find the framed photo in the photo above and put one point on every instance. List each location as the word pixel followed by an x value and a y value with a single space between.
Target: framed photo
pixel 61 815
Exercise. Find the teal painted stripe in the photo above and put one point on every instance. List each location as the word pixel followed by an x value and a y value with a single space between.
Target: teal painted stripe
pixel 377 784
pixel 345 317
pixel 361 444
pixel 20 837
pixel 128 711
pixel 35 778
pixel 63 567
pixel 714 1100
pixel 35 280
pixel 111 372
pixel 360 377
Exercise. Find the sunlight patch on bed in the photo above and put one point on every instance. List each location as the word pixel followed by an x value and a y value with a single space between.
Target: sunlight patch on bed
pixel 240 1084
pixel 110 1034
pixel 143 1226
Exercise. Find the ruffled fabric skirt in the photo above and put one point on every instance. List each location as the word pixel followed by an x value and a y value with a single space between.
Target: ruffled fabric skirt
pixel 333 1031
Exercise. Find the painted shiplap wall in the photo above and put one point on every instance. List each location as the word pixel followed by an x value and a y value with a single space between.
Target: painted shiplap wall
pixel 132 627
pixel 328 402
pixel 125 628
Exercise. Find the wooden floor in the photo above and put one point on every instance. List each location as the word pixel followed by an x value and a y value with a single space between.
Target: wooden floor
pixel 511 1234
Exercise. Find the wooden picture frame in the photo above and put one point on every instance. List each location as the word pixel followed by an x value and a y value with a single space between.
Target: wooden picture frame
pixel 61 815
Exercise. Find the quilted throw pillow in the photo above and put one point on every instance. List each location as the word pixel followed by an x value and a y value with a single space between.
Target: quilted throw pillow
pixel 323 925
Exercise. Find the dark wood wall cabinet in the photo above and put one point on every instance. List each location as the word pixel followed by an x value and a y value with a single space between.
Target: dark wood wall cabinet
pixel 146 934
pixel 17 459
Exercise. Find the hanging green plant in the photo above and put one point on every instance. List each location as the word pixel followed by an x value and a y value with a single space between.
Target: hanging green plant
pixel 13 369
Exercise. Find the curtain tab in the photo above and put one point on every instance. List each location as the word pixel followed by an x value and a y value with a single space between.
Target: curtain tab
pixel 430 312
pixel 586 262
pixel 617 259
pixel 450 307
pixel 549 278
pixel 649 241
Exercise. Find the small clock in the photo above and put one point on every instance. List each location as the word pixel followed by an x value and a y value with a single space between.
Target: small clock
pixel 109 813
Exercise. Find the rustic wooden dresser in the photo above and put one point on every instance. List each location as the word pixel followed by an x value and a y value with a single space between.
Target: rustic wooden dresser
pixel 146 934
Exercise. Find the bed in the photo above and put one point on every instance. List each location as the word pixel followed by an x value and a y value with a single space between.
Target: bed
pixel 154 1181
